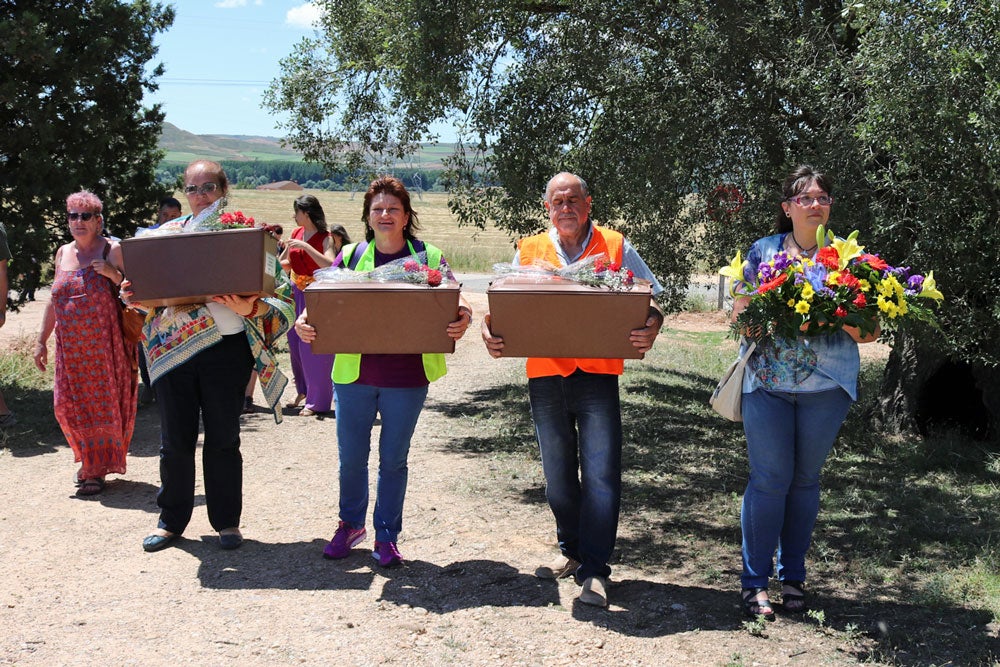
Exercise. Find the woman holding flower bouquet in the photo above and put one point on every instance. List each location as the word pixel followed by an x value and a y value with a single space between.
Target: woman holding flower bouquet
pixel 391 385
pixel 200 358
pixel 796 393
pixel 313 246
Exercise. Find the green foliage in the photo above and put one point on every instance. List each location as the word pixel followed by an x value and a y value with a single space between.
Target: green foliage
pixel 661 106
pixel 72 77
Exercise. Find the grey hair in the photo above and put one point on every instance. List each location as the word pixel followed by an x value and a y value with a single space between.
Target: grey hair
pixel 583 184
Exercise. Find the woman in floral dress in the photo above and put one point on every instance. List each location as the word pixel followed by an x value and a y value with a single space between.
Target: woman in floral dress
pixel 95 378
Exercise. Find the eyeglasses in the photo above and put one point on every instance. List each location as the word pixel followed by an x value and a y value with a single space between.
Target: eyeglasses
pixel 803 200
pixel 395 210
pixel 202 189
pixel 81 216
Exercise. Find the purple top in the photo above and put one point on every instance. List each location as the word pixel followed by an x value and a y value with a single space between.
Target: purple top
pixel 397 371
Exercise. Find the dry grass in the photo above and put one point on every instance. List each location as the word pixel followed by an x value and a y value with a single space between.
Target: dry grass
pixel 467 248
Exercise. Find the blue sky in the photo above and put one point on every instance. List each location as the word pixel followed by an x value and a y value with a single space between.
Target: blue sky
pixel 220 56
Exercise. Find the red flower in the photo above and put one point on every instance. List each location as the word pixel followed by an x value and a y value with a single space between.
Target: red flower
pixel 860 301
pixel 410 266
pixel 874 261
pixel 828 257
pixel 614 266
pixel 768 286
pixel 840 312
pixel 848 280
pixel 599 265
pixel 433 277
pixel 629 275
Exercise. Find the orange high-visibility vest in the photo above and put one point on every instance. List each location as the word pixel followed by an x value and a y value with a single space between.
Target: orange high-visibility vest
pixel 602 241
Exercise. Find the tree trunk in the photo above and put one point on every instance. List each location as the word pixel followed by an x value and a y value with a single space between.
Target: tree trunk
pixel 924 391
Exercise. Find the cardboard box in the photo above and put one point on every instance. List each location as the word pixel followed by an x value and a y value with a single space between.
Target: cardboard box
pixel 381 318
pixel 175 269
pixel 560 318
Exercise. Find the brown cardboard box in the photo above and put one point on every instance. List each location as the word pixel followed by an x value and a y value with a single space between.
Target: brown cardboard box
pixel 381 318
pixel 174 269
pixel 560 318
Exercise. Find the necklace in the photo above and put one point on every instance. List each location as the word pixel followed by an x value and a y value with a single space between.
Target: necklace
pixel 802 251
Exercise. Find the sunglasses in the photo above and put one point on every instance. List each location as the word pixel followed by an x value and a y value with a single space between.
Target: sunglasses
pixel 203 189
pixel 80 216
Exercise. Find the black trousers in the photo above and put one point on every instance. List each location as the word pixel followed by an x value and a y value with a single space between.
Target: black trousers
pixel 210 385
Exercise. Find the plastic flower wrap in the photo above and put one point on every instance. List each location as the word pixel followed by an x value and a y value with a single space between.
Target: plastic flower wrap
pixel 413 270
pixel 841 286
pixel 213 218
pixel 595 271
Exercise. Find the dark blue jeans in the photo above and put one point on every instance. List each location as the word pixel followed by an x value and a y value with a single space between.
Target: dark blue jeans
pixel 788 438
pixel 578 424
pixel 210 385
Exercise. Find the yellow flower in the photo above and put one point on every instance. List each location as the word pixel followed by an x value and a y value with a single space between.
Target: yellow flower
pixel 808 292
pixel 864 285
pixel 847 249
pixel 929 288
pixel 802 307
pixel 832 277
pixel 735 273
pixel 791 302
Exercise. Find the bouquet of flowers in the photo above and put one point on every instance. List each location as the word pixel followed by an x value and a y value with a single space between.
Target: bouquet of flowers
pixel 842 286
pixel 413 270
pixel 595 271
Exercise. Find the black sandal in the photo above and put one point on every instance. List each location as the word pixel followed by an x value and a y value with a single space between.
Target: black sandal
pixel 755 608
pixel 797 600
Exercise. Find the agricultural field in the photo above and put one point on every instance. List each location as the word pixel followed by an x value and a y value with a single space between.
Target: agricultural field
pixel 468 249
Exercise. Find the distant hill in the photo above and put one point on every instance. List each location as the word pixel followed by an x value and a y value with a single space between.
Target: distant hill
pixel 183 147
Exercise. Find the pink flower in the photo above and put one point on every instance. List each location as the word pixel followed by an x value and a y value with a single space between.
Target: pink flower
pixel 433 277
pixel 411 266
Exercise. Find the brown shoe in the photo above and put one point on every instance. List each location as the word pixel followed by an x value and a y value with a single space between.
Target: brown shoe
pixel 560 568
pixel 296 403
pixel 595 592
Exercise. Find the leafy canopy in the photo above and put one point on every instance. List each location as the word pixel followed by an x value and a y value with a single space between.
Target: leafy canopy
pixel 683 116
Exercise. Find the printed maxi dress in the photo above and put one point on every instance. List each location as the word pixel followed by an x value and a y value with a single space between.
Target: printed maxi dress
pixel 95 386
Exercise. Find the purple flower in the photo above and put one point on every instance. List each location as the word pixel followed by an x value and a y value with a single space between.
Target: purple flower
pixel 766 272
pixel 816 275
pixel 781 261
pixel 914 284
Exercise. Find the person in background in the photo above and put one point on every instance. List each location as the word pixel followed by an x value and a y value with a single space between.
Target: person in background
pixel 392 385
pixel 7 417
pixel 170 209
pixel 796 394
pixel 95 384
pixel 575 403
pixel 200 358
pixel 312 246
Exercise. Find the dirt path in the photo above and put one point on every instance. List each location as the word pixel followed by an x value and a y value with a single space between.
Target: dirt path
pixel 80 590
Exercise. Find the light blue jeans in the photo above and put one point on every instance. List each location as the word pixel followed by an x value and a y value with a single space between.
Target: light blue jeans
pixel 789 436
pixel 358 404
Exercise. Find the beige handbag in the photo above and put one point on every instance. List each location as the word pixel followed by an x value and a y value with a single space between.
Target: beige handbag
pixel 728 396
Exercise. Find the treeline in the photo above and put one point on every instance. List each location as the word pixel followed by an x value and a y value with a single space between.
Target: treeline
pixel 250 174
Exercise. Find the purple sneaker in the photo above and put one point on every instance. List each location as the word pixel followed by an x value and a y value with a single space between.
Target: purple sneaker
pixel 345 538
pixel 387 554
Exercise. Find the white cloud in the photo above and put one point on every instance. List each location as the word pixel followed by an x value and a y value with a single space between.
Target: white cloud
pixel 231 4
pixel 304 16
